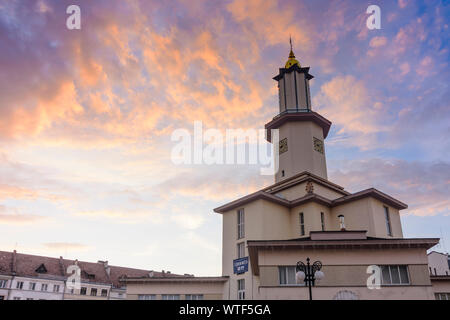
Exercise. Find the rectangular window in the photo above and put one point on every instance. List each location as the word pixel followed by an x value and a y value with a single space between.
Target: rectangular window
pixel 3 283
pixel 94 292
pixel 56 288
pixel 171 297
pixel 44 287
pixel 16 298
pixel 19 285
pixel 322 220
pixel 32 286
pixel 241 250
pixel 388 221
pixel 442 296
pixel 105 292
pixel 394 275
pixel 287 276
pixel 146 296
pixel 241 289
pixel 302 224
pixel 240 223
pixel 194 297
pixel 83 291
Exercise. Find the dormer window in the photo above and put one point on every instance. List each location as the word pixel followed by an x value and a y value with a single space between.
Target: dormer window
pixel 41 269
pixel 89 276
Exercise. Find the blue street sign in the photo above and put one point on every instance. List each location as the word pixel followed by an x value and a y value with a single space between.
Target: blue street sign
pixel 240 265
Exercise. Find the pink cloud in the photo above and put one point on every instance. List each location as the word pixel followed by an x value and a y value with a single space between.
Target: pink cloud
pixel 423 186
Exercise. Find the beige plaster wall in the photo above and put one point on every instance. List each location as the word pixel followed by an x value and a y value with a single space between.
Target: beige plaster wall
pixel 209 290
pixel 346 269
pixel 301 155
pixel 363 293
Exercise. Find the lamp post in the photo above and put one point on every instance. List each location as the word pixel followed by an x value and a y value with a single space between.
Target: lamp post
pixel 308 273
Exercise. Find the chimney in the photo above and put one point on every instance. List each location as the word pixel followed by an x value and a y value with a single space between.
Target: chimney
pixel 106 266
pixel 14 263
pixel 62 269
pixel 341 222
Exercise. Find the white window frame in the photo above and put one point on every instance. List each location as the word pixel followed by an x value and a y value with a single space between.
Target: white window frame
pixel 92 291
pixel 170 297
pixel 301 217
pixel 146 296
pixel 44 287
pixel 56 288
pixel 240 223
pixel 19 285
pixel 3 283
pixel 395 268
pixel 284 270
pixel 240 248
pixel 241 289
pixel 442 296
pixel 387 219
pixel 193 297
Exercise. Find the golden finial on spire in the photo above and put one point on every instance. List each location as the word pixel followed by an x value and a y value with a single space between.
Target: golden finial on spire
pixel 291 61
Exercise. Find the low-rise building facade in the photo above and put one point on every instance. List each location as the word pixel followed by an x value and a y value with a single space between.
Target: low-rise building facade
pixel 32 277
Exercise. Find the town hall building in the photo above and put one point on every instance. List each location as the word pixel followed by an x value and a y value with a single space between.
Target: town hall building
pixel 304 215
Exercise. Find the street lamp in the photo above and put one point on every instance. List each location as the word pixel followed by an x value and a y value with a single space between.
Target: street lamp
pixel 308 273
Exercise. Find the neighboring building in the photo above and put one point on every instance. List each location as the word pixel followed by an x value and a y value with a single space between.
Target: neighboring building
pixel 439 267
pixel 31 277
pixel 304 215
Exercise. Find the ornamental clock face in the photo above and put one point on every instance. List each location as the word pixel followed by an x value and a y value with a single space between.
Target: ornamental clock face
pixel 318 145
pixel 283 146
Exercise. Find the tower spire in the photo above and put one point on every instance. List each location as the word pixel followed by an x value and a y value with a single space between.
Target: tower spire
pixel 291 61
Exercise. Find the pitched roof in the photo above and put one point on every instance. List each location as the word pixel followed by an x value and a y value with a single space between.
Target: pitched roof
pixel 312 197
pixel 26 265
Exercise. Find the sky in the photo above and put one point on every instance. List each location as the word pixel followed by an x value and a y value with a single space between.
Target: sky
pixel 86 117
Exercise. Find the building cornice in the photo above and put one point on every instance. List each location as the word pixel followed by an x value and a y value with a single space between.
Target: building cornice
pixel 312 197
pixel 295 67
pixel 304 176
pixel 281 119
pixel 440 278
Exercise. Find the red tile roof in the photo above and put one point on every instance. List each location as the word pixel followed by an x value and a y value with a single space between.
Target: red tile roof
pixel 25 265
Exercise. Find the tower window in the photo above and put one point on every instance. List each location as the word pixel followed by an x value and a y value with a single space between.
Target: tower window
pixel 282 173
pixel 388 221
pixel 241 289
pixel 322 221
pixel 302 224
pixel 240 223
pixel 241 250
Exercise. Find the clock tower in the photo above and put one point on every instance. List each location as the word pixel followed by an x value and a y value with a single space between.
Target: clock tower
pixel 301 130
